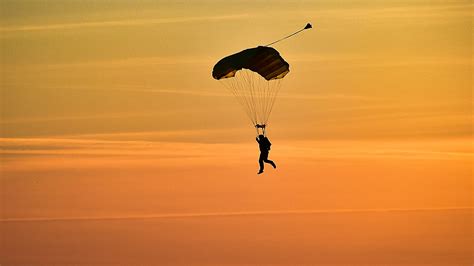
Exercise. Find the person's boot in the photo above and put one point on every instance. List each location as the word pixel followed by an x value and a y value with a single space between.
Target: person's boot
pixel 259 172
pixel 273 164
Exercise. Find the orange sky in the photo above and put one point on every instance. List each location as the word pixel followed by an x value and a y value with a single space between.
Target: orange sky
pixel 109 109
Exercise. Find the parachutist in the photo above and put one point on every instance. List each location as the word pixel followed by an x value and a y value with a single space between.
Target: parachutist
pixel 254 76
pixel 264 145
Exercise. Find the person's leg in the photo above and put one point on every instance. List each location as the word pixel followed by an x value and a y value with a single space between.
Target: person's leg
pixel 269 161
pixel 260 162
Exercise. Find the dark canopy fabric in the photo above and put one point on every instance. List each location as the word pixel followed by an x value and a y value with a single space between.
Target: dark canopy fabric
pixel 266 61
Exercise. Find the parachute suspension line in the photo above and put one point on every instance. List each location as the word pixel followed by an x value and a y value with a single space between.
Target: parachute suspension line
pixel 261 100
pixel 255 94
pixel 234 87
pixel 269 94
pixel 275 93
pixel 260 96
pixel 308 26
pixel 247 89
pixel 249 83
pixel 244 88
pixel 266 91
pixel 247 96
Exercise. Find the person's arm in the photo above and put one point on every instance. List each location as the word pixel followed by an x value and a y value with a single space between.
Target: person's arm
pixel 257 139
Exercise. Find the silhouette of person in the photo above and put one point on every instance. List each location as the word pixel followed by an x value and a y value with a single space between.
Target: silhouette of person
pixel 264 145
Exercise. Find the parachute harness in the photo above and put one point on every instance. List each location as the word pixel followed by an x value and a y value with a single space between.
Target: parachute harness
pixel 263 129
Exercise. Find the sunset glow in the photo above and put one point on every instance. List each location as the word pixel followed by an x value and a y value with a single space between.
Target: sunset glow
pixel 118 146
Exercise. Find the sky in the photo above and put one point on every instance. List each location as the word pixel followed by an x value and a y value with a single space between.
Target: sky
pixel 110 115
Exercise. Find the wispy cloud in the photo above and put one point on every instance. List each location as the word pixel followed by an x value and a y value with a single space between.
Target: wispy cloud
pixel 129 145
pixel 357 61
pixel 115 23
pixel 227 214
pixel 149 89
pixel 134 62
pixel 365 13
pixel 431 14
pixel 24 120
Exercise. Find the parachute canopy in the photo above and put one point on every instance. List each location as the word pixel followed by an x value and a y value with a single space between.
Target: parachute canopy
pixel 266 61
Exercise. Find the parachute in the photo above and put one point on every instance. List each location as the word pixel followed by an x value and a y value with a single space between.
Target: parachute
pixel 254 77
